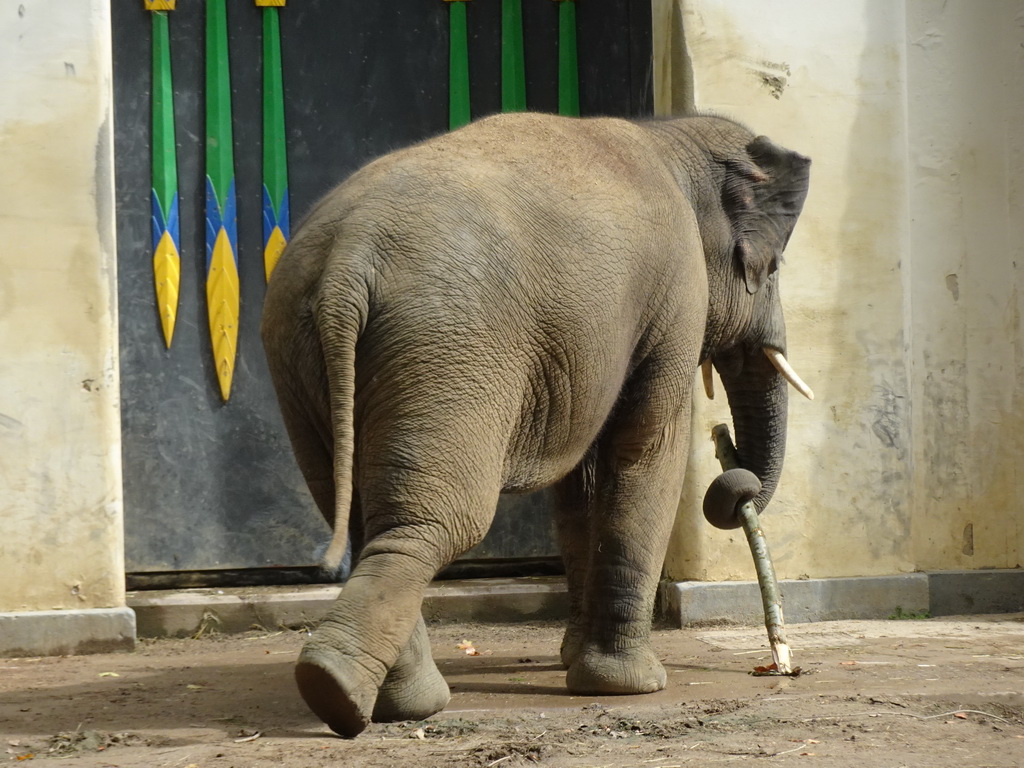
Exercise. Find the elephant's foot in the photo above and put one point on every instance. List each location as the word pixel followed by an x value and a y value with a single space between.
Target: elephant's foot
pixel 413 688
pixel 636 670
pixel 411 694
pixel 572 644
pixel 334 694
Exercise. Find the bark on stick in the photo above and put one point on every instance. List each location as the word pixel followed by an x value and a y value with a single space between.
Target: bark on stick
pixel 771 598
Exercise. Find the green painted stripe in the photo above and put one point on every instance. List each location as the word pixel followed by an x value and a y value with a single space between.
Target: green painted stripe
pixel 568 70
pixel 165 171
pixel 458 66
pixel 275 157
pixel 219 158
pixel 513 67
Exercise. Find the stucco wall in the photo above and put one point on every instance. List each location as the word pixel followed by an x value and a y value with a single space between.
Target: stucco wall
pixel 965 65
pixel 60 477
pixel 901 287
pixel 899 284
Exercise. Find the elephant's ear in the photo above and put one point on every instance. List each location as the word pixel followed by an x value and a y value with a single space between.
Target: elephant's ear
pixel 763 196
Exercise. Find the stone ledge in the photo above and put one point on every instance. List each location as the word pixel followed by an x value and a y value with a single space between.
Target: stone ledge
pixel 985 591
pixel 803 600
pixel 67 633
pixel 188 612
pixel 940 593
pixel 183 613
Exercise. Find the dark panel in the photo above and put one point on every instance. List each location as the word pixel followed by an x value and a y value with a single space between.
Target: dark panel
pixel 206 484
pixel 211 485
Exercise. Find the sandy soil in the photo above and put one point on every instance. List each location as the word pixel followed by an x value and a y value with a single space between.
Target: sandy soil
pixel 888 694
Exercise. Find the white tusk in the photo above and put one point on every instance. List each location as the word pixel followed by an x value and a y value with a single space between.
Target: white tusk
pixel 709 383
pixel 782 366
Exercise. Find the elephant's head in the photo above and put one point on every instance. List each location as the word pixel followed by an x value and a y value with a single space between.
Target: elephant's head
pixel 756 192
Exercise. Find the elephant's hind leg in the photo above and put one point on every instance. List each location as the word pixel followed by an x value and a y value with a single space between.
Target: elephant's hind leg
pixel 352 651
pixel 416 522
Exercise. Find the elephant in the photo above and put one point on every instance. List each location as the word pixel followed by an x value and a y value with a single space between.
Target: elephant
pixel 518 304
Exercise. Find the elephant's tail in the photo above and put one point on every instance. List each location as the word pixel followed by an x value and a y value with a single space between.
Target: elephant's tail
pixel 338 336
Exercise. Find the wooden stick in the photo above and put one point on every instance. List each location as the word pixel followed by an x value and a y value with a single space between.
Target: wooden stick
pixel 771 598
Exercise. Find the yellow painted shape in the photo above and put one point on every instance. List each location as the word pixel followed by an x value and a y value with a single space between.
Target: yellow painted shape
pixel 222 300
pixel 275 245
pixel 159 5
pixel 270 3
pixel 167 278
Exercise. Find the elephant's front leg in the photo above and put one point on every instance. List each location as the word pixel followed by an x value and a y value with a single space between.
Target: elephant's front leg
pixel 638 489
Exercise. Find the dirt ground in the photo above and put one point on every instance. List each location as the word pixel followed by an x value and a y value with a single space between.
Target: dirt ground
pixel 888 694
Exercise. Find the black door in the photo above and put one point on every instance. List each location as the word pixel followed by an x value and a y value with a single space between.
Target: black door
pixel 212 486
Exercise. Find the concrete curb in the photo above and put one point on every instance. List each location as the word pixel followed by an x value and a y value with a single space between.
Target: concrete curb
pixel 185 613
pixel 955 593
pixel 67 633
pixel 193 612
pixel 803 600
pixel 939 593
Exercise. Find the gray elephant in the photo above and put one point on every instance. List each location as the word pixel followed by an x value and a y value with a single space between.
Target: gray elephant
pixel 518 304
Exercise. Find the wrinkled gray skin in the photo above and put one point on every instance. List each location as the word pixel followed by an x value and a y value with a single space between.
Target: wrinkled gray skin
pixel 523 303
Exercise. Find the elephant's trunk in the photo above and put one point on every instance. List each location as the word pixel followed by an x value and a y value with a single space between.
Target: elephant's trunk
pixel 758 399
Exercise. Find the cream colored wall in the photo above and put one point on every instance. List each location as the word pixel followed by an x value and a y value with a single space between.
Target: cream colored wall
pixel 60 455
pixel 911 113
pixel 901 287
pixel 966 121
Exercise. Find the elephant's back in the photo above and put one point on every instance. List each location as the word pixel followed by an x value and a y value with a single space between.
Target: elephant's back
pixel 515 274
pixel 538 189
pixel 518 197
pixel 526 158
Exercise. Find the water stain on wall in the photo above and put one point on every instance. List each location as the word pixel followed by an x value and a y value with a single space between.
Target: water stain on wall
pixel 887 424
pixel 968 540
pixel 953 286
pixel 772 75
